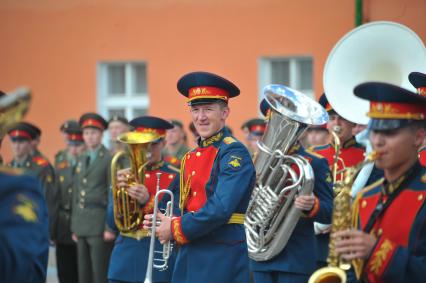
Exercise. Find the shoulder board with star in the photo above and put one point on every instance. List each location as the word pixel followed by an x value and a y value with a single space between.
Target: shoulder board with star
pixel 423 178
pixel 40 161
pixel 11 171
pixel 63 164
pixel 229 140
pixel 173 168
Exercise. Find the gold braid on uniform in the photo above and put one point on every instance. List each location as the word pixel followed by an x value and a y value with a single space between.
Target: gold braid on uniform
pixel 184 186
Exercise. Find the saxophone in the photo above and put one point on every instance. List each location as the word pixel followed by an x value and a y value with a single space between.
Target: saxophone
pixel 341 220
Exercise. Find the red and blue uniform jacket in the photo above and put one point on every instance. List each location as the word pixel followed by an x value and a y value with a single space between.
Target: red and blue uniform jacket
pixel 422 156
pixel 129 258
pixel 300 254
pixel 351 153
pixel 24 232
pixel 216 182
pixel 396 214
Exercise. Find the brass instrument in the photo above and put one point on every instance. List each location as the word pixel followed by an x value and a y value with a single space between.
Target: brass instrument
pixel 13 108
pixel 167 247
pixel 127 211
pixel 341 220
pixel 337 145
pixel 271 215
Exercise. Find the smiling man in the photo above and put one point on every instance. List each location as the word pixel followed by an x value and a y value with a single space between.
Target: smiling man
pixel 216 181
pixel 390 239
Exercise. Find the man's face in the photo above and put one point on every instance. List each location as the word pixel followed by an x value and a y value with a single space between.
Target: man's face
pixel 396 147
pixel 316 137
pixel 344 125
pixel 209 118
pixel 175 136
pixel 76 149
pixel 155 151
pixel 21 148
pixel 92 137
pixel 116 128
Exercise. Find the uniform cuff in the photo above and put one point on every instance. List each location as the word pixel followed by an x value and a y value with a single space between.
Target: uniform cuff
pixel 380 258
pixel 315 208
pixel 177 231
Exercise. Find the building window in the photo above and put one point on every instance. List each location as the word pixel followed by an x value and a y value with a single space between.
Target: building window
pixel 122 89
pixel 294 72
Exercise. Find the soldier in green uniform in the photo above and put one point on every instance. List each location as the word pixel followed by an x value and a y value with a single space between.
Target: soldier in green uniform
pixel 117 125
pixel 66 250
pixel 90 199
pixel 62 154
pixel 176 146
pixel 21 136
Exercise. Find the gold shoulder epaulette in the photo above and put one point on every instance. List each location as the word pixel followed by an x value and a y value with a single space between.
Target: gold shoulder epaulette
pixel 11 171
pixel 229 140
pixel 423 178
pixel 371 186
pixel 173 168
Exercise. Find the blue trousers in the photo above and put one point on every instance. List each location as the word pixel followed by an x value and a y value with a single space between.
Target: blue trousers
pixel 279 277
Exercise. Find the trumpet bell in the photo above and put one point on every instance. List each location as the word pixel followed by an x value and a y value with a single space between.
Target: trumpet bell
pixel 378 51
pixel 328 275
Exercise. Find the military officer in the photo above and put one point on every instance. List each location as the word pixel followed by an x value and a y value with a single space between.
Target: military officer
pixel 66 250
pixel 133 247
pixel 298 259
pixel 216 181
pixel 254 129
pixel 61 155
pixel 21 136
pixel 418 80
pixel 90 200
pixel 388 243
pixel 117 125
pixel 176 146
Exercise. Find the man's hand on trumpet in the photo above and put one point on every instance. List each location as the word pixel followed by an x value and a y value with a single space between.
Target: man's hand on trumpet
pixel 136 191
pixel 163 230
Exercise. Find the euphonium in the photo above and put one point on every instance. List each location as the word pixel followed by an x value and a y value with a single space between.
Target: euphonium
pixel 127 211
pixel 271 215
pixel 341 220
pixel 167 247
pixel 13 107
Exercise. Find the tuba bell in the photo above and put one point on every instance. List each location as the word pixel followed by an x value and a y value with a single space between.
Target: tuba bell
pixel 127 211
pixel 13 108
pixel 271 215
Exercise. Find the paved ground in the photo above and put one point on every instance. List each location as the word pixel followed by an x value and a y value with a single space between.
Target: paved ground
pixel 51 268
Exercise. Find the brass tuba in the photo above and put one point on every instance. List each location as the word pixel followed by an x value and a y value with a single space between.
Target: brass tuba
pixel 13 108
pixel 127 211
pixel 271 215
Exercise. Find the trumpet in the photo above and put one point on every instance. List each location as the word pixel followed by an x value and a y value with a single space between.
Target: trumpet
pixel 164 255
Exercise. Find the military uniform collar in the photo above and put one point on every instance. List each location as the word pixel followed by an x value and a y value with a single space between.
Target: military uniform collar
pixel 350 142
pixel 24 163
pixel 155 166
pixel 391 187
pixel 214 139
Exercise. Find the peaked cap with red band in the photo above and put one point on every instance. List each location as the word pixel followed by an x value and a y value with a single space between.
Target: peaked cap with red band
pixel 73 132
pixel 20 131
pixel 391 106
pixel 418 80
pixel 93 120
pixel 150 124
pixel 204 87
pixel 255 126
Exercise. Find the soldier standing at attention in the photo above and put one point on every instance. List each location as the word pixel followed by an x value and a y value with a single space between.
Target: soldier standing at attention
pixel 62 154
pixel 90 200
pixel 217 178
pixel 176 146
pixel 66 250
pixel 117 125
pixel 388 242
